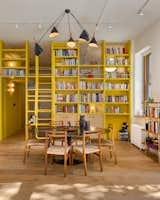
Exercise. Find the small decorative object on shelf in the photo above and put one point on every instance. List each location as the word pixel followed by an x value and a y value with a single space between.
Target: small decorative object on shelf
pixel 123 132
pixel 32 119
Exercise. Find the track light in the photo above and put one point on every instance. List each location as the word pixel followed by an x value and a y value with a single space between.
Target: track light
pixel 141 9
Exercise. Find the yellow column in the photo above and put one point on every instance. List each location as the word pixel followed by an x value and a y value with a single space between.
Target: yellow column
pixel 26 87
pixel 1 106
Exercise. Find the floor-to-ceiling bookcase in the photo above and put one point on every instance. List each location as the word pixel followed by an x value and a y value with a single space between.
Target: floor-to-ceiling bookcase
pixel 101 91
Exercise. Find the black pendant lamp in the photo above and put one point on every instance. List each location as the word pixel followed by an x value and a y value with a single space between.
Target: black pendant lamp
pixel 54 32
pixel 93 42
pixel 84 36
pixel 38 49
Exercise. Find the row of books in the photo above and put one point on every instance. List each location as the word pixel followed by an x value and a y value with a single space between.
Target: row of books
pixel 117 98
pixel 13 72
pixel 123 86
pixel 113 109
pixel 66 72
pixel 92 97
pixel 153 111
pixel 117 61
pixel 65 52
pixel 91 85
pixel 61 85
pixel 67 61
pixel 66 97
pixel 66 108
pixel 116 50
pixel 153 126
pixel 31 84
pixel 117 74
pixel 84 108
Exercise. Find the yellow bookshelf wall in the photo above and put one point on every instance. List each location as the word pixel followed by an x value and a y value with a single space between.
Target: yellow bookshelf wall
pixel 92 85
pixel 69 87
pixel 13 66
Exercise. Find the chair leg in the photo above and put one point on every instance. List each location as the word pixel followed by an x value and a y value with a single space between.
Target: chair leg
pixel 25 155
pixel 110 152
pixel 100 161
pixel 115 157
pixel 46 164
pixel 85 164
pixel 65 165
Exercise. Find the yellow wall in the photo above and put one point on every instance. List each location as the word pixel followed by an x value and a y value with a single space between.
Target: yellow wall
pixel 1 127
pixel 13 109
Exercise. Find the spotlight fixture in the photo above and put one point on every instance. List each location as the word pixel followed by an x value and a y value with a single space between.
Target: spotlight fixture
pixel 84 36
pixel 141 9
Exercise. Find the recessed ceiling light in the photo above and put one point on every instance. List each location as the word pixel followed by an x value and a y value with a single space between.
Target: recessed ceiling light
pixel 17 26
pixel 39 26
pixel 110 27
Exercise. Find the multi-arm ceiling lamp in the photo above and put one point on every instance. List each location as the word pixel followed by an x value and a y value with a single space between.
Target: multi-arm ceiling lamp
pixel 84 36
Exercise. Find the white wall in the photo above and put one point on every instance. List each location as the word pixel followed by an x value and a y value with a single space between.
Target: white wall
pixel 151 37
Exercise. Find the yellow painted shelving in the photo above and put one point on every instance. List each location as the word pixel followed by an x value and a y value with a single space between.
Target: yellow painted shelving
pixel 122 63
pixel 119 57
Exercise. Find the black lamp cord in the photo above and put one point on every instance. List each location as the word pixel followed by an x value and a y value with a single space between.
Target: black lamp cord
pixel 100 17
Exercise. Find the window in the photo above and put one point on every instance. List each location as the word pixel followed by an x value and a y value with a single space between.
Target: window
pixel 142 80
pixel 147 76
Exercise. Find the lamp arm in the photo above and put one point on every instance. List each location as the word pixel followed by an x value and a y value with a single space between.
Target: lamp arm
pixel 80 25
pixel 60 17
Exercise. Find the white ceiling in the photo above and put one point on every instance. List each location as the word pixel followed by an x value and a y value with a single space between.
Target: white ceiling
pixel 121 14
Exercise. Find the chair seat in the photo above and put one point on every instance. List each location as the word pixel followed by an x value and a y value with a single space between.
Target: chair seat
pixel 88 148
pixel 57 150
pixel 35 142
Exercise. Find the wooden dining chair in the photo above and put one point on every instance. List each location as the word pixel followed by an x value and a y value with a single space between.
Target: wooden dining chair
pixel 109 142
pixel 31 141
pixel 91 144
pixel 52 149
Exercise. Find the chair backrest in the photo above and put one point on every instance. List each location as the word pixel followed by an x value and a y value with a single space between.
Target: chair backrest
pixel 53 135
pixel 92 137
pixel 110 133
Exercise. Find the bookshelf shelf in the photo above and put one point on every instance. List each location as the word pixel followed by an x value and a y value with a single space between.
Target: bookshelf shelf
pixel 118 114
pixel 117 55
pixel 13 50
pixel 117 79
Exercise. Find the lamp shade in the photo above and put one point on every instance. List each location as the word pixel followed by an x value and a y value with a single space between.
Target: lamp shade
pixel 71 43
pixel 84 36
pixel 54 32
pixel 38 49
pixel 93 42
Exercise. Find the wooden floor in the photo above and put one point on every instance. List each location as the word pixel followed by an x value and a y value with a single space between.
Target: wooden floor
pixel 135 177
